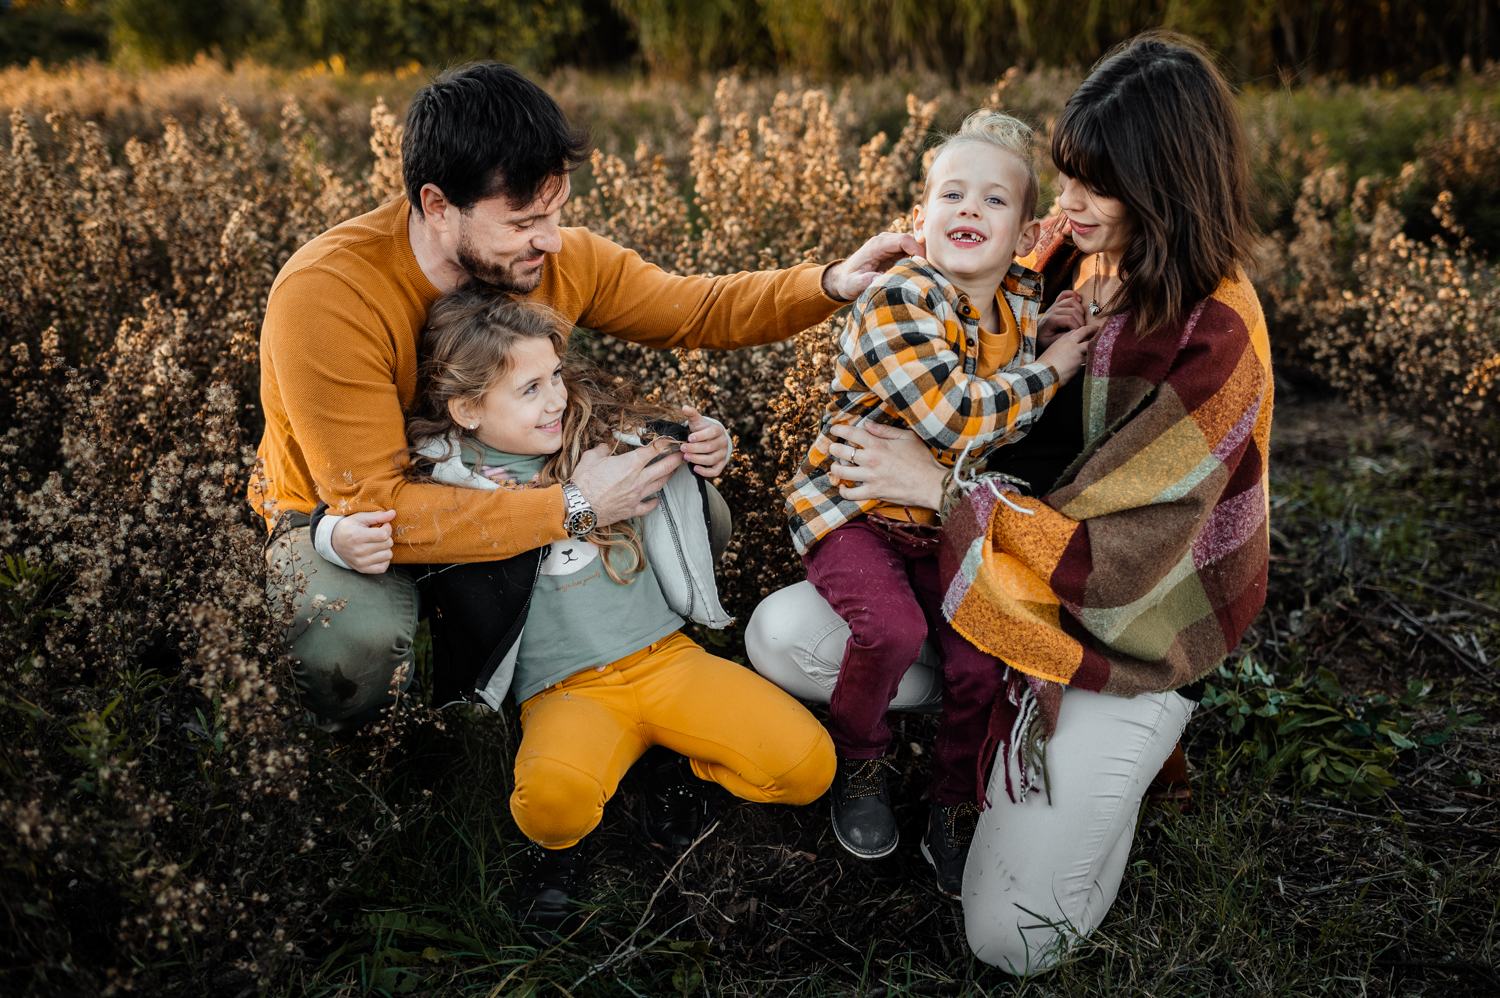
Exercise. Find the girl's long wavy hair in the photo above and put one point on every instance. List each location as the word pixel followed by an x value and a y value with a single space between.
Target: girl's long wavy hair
pixel 466 349
pixel 1156 127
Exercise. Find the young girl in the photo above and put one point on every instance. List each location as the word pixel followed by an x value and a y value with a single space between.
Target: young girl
pixel 592 648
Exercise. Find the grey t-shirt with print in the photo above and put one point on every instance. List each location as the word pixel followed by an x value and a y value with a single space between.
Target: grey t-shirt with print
pixel 580 617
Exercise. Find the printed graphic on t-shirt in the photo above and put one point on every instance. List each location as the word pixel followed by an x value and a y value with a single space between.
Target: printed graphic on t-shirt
pixel 567 557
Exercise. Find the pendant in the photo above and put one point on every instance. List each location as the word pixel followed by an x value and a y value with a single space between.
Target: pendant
pixel 1094 308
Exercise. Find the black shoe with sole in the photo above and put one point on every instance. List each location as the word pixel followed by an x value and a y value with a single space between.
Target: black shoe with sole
pixel 945 844
pixel 551 880
pixel 675 806
pixel 862 817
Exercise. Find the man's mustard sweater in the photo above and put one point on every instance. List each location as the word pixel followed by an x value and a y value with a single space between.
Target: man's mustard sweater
pixel 338 356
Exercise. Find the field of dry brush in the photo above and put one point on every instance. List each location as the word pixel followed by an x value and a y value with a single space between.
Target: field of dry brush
pixel 170 825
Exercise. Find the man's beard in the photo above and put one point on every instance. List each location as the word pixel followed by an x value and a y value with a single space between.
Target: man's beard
pixel 502 277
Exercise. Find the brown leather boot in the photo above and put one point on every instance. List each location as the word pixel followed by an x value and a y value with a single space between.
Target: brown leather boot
pixel 1170 787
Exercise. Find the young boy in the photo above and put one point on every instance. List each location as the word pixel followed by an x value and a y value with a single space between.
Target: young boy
pixel 947 346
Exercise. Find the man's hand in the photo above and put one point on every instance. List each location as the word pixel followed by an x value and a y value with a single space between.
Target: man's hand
pixel 847 279
pixel 1065 315
pixel 363 540
pixel 708 444
pixel 619 487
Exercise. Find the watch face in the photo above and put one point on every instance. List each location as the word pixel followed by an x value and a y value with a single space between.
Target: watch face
pixel 582 522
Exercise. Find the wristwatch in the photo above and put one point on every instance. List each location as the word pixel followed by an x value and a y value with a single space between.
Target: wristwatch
pixel 579 517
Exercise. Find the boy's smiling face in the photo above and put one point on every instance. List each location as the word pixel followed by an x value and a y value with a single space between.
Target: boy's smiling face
pixel 971 222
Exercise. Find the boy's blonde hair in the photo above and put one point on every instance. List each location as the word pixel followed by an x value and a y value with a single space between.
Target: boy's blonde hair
pixel 1003 132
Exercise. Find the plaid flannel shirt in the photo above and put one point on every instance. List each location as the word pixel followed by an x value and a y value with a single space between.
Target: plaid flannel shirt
pixel 907 357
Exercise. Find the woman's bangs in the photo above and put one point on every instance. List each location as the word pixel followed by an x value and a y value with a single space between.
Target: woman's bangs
pixel 1080 151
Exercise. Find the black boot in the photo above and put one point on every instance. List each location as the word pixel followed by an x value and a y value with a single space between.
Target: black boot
pixel 551 880
pixel 945 844
pixel 675 806
pixel 862 816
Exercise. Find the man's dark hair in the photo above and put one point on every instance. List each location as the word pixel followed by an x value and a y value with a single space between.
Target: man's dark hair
pixel 483 131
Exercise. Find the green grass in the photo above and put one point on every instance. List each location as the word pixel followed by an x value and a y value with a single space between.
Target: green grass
pixel 1255 892
pixel 1266 887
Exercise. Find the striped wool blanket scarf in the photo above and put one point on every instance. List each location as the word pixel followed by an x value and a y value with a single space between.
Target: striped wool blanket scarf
pixel 1140 572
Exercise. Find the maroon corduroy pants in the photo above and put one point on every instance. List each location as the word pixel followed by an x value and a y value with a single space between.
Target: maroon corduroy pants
pixel 881 577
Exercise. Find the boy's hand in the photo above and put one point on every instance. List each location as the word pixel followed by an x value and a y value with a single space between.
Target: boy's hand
pixel 363 540
pixel 1068 352
pixel 1067 313
pixel 708 444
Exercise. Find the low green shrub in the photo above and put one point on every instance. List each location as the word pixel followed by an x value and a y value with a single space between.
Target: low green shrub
pixel 52 31
pixel 1328 740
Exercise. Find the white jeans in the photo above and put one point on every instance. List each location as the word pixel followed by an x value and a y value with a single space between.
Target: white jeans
pixel 797 642
pixel 1039 875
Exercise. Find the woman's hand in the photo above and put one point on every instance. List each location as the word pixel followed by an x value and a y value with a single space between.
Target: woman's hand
pixel 708 444
pixel 363 540
pixel 1065 314
pixel 885 463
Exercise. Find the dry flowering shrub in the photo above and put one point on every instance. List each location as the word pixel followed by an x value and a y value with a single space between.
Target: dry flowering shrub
pixel 131 103
pixel 771 188
pixel 163 814
pixel 385 143
pixel 1463 162
pixel 1400 323
pixel 164 802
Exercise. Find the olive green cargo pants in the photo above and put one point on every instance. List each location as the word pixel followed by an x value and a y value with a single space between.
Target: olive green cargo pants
pixel 348 632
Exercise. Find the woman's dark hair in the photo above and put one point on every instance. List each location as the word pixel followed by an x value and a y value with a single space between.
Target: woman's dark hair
pixel 484 131
pixel 1156 127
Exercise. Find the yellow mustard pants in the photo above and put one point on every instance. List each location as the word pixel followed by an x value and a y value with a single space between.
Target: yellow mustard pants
pixel 579 736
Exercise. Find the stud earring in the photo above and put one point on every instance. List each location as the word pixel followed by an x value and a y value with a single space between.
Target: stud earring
pixel 473 426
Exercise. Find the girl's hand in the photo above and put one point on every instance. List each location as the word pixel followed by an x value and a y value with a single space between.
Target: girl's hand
pixel 708 444
pixel 1068 352
pixel 1067 313
pixel 363 540
pixel 885 463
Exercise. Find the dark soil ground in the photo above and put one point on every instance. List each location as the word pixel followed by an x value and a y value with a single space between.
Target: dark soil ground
pixel 1386 569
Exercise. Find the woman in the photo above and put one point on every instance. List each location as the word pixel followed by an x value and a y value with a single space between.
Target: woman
pixel 1144 559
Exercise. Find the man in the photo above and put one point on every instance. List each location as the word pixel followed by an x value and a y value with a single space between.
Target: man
pixel 486 158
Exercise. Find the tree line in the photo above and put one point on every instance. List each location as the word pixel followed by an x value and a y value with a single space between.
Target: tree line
pixel 963 39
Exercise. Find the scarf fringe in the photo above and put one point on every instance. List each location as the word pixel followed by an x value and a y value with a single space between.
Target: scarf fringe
pixel 1023 748
pixel 998 482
